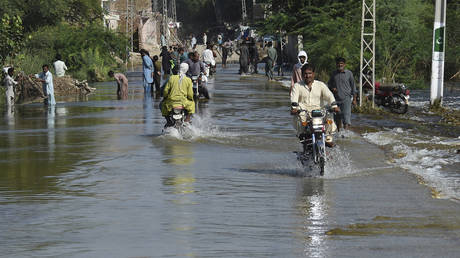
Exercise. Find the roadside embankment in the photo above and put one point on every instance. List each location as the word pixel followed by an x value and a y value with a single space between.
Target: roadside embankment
pixel 29 89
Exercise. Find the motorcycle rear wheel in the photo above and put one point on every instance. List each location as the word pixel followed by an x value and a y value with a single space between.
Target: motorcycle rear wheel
pixel 399 105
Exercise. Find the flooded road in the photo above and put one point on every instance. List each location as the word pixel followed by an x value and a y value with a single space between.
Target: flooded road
pixel 97 178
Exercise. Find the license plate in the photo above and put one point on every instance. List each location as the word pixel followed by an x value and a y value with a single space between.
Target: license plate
pixel 177 117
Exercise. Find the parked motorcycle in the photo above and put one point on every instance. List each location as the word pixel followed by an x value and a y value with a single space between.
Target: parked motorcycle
pixel 392 96
pixel 314 140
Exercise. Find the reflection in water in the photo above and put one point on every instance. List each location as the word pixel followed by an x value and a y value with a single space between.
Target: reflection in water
pixel 148 114
pixel 178 153
pixel 314 210
pixel 51 132
pixel 10 115
pixel 10 119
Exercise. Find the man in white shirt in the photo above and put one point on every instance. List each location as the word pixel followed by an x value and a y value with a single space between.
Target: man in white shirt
pixel 193 42
pixel 9 84
pixel 311 94
pixel 59 66
pixel 47 83
pixel 208 58
pixel 205 39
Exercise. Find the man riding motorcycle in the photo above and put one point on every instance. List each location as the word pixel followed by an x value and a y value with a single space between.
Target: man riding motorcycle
pixel 178 92
pixel 208 59
pixel 197 68
pixel 308 95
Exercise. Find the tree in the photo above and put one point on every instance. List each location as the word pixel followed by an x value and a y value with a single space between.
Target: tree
pixel 11 36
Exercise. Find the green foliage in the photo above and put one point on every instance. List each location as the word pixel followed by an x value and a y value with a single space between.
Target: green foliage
pixel 452 62
pixel 71 28
pixel 88 51
pixel 331 28
pixel 11 36
pixel 39 13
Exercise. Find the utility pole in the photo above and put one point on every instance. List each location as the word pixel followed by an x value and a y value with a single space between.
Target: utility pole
pixel 243 11
pixel 437 63
pixel 367 63
pixel 173 11
pixel 154 6
pixel 165 21
pixel 129 28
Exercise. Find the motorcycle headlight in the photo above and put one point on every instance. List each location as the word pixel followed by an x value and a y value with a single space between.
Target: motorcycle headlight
pixel 317 121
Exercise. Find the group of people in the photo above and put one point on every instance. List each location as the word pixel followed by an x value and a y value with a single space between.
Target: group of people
pixel 45 77
pixel 249 58
pixel 177 67
pixel 308 94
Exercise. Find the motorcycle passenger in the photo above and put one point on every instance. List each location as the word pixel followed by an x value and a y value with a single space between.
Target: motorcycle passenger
pixel 178 92
pixel 196 68
pixel 310 94
pixel 342 84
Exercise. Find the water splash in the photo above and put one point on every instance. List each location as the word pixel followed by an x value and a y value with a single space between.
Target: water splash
pixel 202 127
pixel 434 160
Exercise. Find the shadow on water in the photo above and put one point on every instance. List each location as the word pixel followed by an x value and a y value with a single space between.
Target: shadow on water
pixel 283 172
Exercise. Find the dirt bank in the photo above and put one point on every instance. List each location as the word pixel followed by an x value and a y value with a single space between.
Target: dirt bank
pixel 29 88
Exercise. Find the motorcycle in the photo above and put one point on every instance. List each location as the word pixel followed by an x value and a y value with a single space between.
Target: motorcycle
pixel 392 96
pixel 210 69
pixel 176 118
pixel 314 139
pixel 199 89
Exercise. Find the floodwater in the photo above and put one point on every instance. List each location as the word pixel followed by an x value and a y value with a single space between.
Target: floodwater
pixel 96 177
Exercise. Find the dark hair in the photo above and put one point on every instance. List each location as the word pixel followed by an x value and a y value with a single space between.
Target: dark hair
pixel 58 57
pixel 269 44
pixel 339 59
pixel 155 58
pixel 191 54
pixel 45 65
pixel 11 69
pixel 110 73
pixel 180 49
pixel 308 67
pixel 209 46
pixel 175 70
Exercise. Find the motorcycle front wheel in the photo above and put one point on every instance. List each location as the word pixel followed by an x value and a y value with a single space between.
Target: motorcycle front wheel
pixel 322 163
pixel 399 105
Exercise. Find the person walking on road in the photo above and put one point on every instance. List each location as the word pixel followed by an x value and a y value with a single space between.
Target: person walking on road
pixel 244 58
pixel 147 69
pixel 205 39
pixel 269 65
pixel 122 84
pixel 296 70
pixel 165 62
pixel 157 74
pixel 342 84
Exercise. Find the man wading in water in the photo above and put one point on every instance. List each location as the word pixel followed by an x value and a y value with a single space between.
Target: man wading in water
pixel 342 84
pixel 122 84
